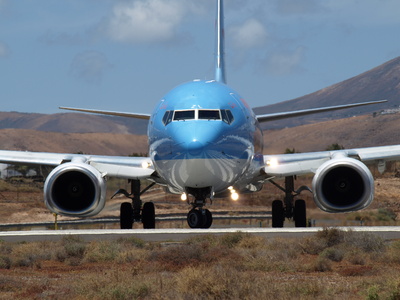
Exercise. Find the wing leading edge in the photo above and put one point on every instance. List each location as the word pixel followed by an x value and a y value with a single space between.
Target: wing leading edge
pixel 303 112
pixel 109 113
pixel 282 165
pixel 112 166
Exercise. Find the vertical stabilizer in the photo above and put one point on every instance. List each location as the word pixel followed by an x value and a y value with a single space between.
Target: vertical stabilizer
pixel 219 45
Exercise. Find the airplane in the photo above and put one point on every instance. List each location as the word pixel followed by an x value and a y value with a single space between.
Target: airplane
pixel 205 142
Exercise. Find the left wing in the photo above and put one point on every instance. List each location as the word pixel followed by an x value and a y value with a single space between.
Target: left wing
pixel 303 112
pixel 306 163
pixel 342 182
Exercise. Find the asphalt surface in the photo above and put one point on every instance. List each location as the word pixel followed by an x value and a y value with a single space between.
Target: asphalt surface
pixel 177 235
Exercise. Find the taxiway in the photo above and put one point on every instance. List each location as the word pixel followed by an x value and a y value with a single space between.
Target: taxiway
pixel 177 235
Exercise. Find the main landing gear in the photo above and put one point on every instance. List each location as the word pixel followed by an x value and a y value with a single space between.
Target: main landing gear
pixel 199 217
pixel 290 208
pixel 133 211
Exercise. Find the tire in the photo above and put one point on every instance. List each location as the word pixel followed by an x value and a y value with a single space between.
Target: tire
pixel 278 216
pixel 195 218
pixel 126 216
pixel 208 219
pixel 148 216
pixel 300 214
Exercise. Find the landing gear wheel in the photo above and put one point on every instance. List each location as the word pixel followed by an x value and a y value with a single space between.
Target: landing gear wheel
pixel 207 219
pixel 148 216
pixel 278 216
pixel 126 216
pixel 195 218
pixel 300 215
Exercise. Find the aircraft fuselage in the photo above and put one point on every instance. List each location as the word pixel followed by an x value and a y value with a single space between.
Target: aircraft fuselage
pixel 202 134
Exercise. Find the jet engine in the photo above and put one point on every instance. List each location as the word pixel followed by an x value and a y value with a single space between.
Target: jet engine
pixel 75 189
pixel 343 184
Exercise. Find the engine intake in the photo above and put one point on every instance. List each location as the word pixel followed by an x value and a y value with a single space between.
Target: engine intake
pixel 343 185
pixel 75 189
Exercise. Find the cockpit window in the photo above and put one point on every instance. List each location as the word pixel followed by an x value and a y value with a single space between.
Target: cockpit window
pixel 227 116
pixel 209 114
pixel 167 117
pixel 181 115
pixel 198 114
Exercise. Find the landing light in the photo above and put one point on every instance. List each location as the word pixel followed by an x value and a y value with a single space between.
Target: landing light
pixel 145 165
pixel 184 197
pixel 273 162
pixel 235 196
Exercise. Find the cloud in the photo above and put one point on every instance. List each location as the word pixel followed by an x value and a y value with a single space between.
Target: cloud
pixel 251 34
pixel 4 50
pixel 145 21
pixel 89 66
pixel 284 62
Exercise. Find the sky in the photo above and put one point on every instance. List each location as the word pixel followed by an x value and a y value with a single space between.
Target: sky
pixel 124 55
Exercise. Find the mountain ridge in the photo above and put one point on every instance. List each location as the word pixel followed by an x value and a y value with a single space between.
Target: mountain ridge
pixel 379 83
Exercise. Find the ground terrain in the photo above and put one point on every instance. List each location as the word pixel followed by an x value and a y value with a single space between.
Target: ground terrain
pixel 330 265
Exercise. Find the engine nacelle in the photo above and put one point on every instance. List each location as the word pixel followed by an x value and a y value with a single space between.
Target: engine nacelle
pixel 75 189
pixel 342 185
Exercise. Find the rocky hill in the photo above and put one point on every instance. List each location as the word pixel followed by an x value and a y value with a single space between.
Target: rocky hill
pixel 72 123
pixel 354 132
pixel 382 82
pixel 88 143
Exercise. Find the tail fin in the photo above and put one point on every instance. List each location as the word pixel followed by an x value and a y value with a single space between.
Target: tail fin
pixel 219 44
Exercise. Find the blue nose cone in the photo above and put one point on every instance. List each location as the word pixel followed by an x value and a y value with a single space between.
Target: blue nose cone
pixel 195 147
pixel 197 139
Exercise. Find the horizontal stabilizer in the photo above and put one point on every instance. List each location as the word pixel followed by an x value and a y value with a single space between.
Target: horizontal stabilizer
pixel 110 113
pixel 303 112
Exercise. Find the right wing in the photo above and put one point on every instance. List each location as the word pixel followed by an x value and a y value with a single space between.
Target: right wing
pixel 77 185
pixel 113 166
pixel 110 113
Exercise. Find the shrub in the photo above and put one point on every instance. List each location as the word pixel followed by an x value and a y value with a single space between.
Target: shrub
pixel 368 242
pixel 331 236
pixel 30 254
pixel 313 245
pixel 102 251
pixel 5 262
pixel 321 264
pixel 71 250
pixel 230 240
pixel 386 214
pixel 355 256
pixel 334 254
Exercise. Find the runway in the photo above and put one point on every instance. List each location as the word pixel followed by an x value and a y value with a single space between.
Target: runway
pixel 178 235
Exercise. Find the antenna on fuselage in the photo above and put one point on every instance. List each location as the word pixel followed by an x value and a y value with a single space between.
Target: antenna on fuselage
pixel 219 44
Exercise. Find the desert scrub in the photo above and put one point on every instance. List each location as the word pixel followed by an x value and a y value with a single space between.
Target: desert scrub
pixel 333 253
pixel 71 249
pixel 233 266
pixel 30 254
pixel 102 251
pixel 115 282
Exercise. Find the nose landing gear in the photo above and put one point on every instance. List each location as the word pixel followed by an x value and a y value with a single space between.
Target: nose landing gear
pixel 199 217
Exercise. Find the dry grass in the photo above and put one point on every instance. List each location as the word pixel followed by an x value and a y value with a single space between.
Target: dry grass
pixel 232 266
